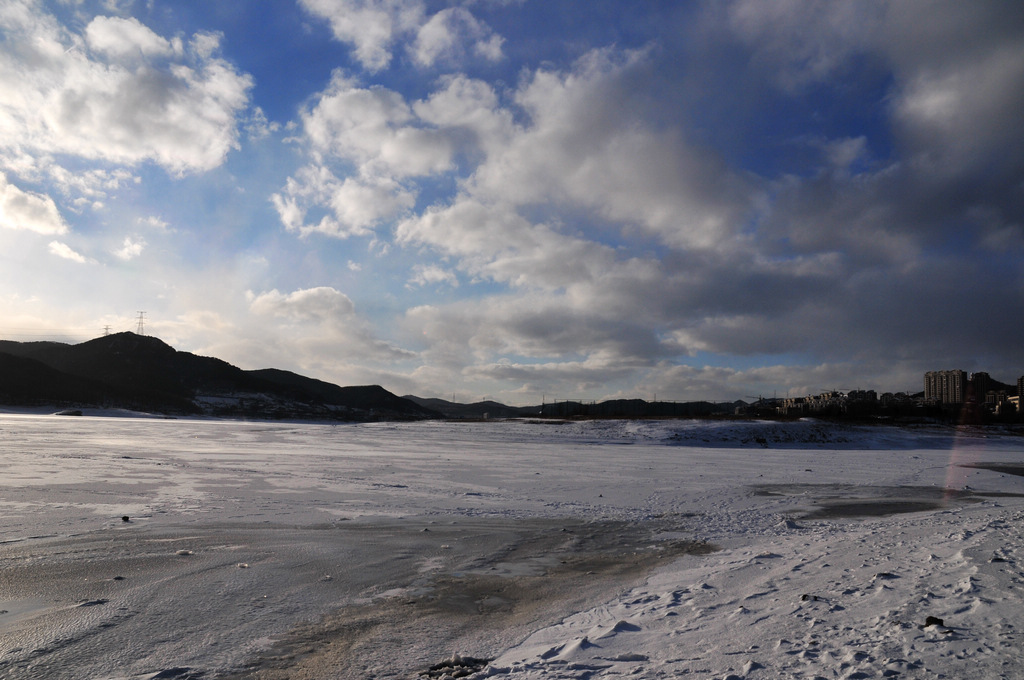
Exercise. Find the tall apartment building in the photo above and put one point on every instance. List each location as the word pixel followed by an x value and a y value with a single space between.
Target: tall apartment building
pixel 945 387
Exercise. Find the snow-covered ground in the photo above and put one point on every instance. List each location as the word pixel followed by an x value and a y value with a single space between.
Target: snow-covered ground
pixel 143 548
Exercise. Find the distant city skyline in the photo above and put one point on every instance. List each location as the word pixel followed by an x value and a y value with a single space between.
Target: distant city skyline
pixel 506 199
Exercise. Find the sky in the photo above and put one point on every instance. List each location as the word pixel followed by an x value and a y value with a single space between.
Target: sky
pixel 523 200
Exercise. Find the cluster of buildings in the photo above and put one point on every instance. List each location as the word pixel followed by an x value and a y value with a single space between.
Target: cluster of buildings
pixel 836 401
pixel 975 394
pixel 959 387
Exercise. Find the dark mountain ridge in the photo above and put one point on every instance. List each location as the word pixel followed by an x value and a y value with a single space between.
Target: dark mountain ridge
pixel 143 373
pixel 480 409
pixel 614 408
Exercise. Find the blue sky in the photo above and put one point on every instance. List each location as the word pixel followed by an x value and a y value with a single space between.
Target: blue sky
pixel 519 200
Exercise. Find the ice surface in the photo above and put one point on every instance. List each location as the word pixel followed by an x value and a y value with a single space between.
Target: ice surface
pixel 835 543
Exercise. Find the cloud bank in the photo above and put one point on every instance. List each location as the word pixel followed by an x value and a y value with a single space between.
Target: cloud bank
pixel 715 201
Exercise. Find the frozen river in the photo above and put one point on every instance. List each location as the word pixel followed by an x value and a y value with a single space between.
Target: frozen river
pixel 142 548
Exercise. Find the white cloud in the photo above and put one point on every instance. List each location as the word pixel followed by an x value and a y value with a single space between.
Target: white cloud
pixel 313 304
pixel 293 215
pixel 154 222
pixel 800 43
pixel 428 275
pixel 371 26
pixel 65 251
pixel 127 38
pixel 490 48
pixel 495 243
pixel 961 114
pixel 330 327
pixel 585 147
pixel 465 106
pixel 96 182
pixel 573 378
pixel 376 129
pixel 445 37
pixel 523 338
pixel 360 204
pixel 356 205
pixel 258 127
pixel 131 248
pixel 589 146
pixel 844 153
pixel 176 107
pixel 27 210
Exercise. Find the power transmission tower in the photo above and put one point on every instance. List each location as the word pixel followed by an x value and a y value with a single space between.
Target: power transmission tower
pixel 106 331
pixel 141 328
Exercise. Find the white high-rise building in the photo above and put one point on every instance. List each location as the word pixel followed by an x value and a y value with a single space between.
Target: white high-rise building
pixel 945 387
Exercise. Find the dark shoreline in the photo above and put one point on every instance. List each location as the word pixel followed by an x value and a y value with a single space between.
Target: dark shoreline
pixel 850 501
